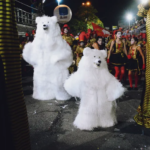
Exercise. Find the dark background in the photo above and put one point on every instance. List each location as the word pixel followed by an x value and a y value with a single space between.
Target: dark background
pixel 109 11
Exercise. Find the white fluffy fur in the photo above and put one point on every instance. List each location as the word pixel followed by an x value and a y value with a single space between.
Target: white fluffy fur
pixel 51 57
pixel 97 89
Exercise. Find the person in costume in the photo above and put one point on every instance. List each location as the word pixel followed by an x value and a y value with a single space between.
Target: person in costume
pixel 93 39
pixel 133 62
pixel 14 126
pixel 140 42
pixel 117 55
pixel 66 35
pixel 143 48
pixel 80 48
pixel 99 44
pixel 143 116
pixel 144 44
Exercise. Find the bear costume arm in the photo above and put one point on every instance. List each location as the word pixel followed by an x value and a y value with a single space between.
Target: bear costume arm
pixel 28 55
pixel 63 56
pixel 73 85
pixel 114 89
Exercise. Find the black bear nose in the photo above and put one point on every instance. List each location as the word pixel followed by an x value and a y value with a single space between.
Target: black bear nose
pixel 99 61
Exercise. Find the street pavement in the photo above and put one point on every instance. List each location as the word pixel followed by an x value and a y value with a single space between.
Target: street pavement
pixel 51 125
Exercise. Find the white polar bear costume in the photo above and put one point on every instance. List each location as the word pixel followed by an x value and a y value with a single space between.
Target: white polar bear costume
pixel 97 89
pixel 51 57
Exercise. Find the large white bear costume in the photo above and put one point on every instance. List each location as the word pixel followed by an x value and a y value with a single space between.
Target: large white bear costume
pixel 51 57
pixel 97 89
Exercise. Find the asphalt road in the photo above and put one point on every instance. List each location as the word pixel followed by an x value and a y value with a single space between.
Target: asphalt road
pixel 51 125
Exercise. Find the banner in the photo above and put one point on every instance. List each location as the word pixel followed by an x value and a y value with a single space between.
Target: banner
pixel 100 31
pixel 114 27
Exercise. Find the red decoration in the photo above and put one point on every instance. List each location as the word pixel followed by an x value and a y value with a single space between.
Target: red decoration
pixel 129 56
pixel 144 35
pixel 98 30
pixel 108 61
pixel 144 66
pixel 26 34
pixel 82 37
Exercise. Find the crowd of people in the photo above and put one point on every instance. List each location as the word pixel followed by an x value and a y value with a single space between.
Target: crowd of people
pixel 126 54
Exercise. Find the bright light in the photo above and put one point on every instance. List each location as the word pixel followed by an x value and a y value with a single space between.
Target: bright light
pixel 129 17
pixel 144 1
pixel 88 3
pixel 83 4
pixel 58 1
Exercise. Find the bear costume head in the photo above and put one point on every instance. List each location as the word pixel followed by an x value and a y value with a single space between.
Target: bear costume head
pixel 93 59
pixel 47 25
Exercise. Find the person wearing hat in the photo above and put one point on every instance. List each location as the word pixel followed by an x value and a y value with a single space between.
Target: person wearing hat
pixel 66 35
pixel 117 55
pixel 80 47
pixel 69 38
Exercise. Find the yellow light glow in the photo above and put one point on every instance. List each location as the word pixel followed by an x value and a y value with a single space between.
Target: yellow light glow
pixel 88 3
pixel 83 4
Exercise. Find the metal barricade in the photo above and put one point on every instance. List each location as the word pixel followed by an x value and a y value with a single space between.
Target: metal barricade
pixel 24 17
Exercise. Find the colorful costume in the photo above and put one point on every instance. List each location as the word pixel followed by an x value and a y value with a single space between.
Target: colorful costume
pixel 69 39
pixel 143 116
pixel 109 44
pixel 93 40
pixel 118 60
pixel 133 62
pixel 13 116
pixel 79 50
pixel 118 57
pixel 144 44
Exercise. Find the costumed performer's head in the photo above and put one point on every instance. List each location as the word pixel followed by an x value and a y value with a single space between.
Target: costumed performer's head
pixel 134 41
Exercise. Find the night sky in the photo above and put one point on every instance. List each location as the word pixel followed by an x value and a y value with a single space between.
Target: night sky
pixel 109 11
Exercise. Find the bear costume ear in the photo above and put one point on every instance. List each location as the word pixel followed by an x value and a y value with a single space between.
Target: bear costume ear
pixel 87 51
pixel 104 53
pixel 54 18
pixel 37 19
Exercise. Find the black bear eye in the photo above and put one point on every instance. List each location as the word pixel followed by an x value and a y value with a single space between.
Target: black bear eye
pixel 94 56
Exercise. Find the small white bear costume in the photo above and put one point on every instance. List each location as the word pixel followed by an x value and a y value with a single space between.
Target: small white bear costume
pixel 51 57
pixel 97 89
